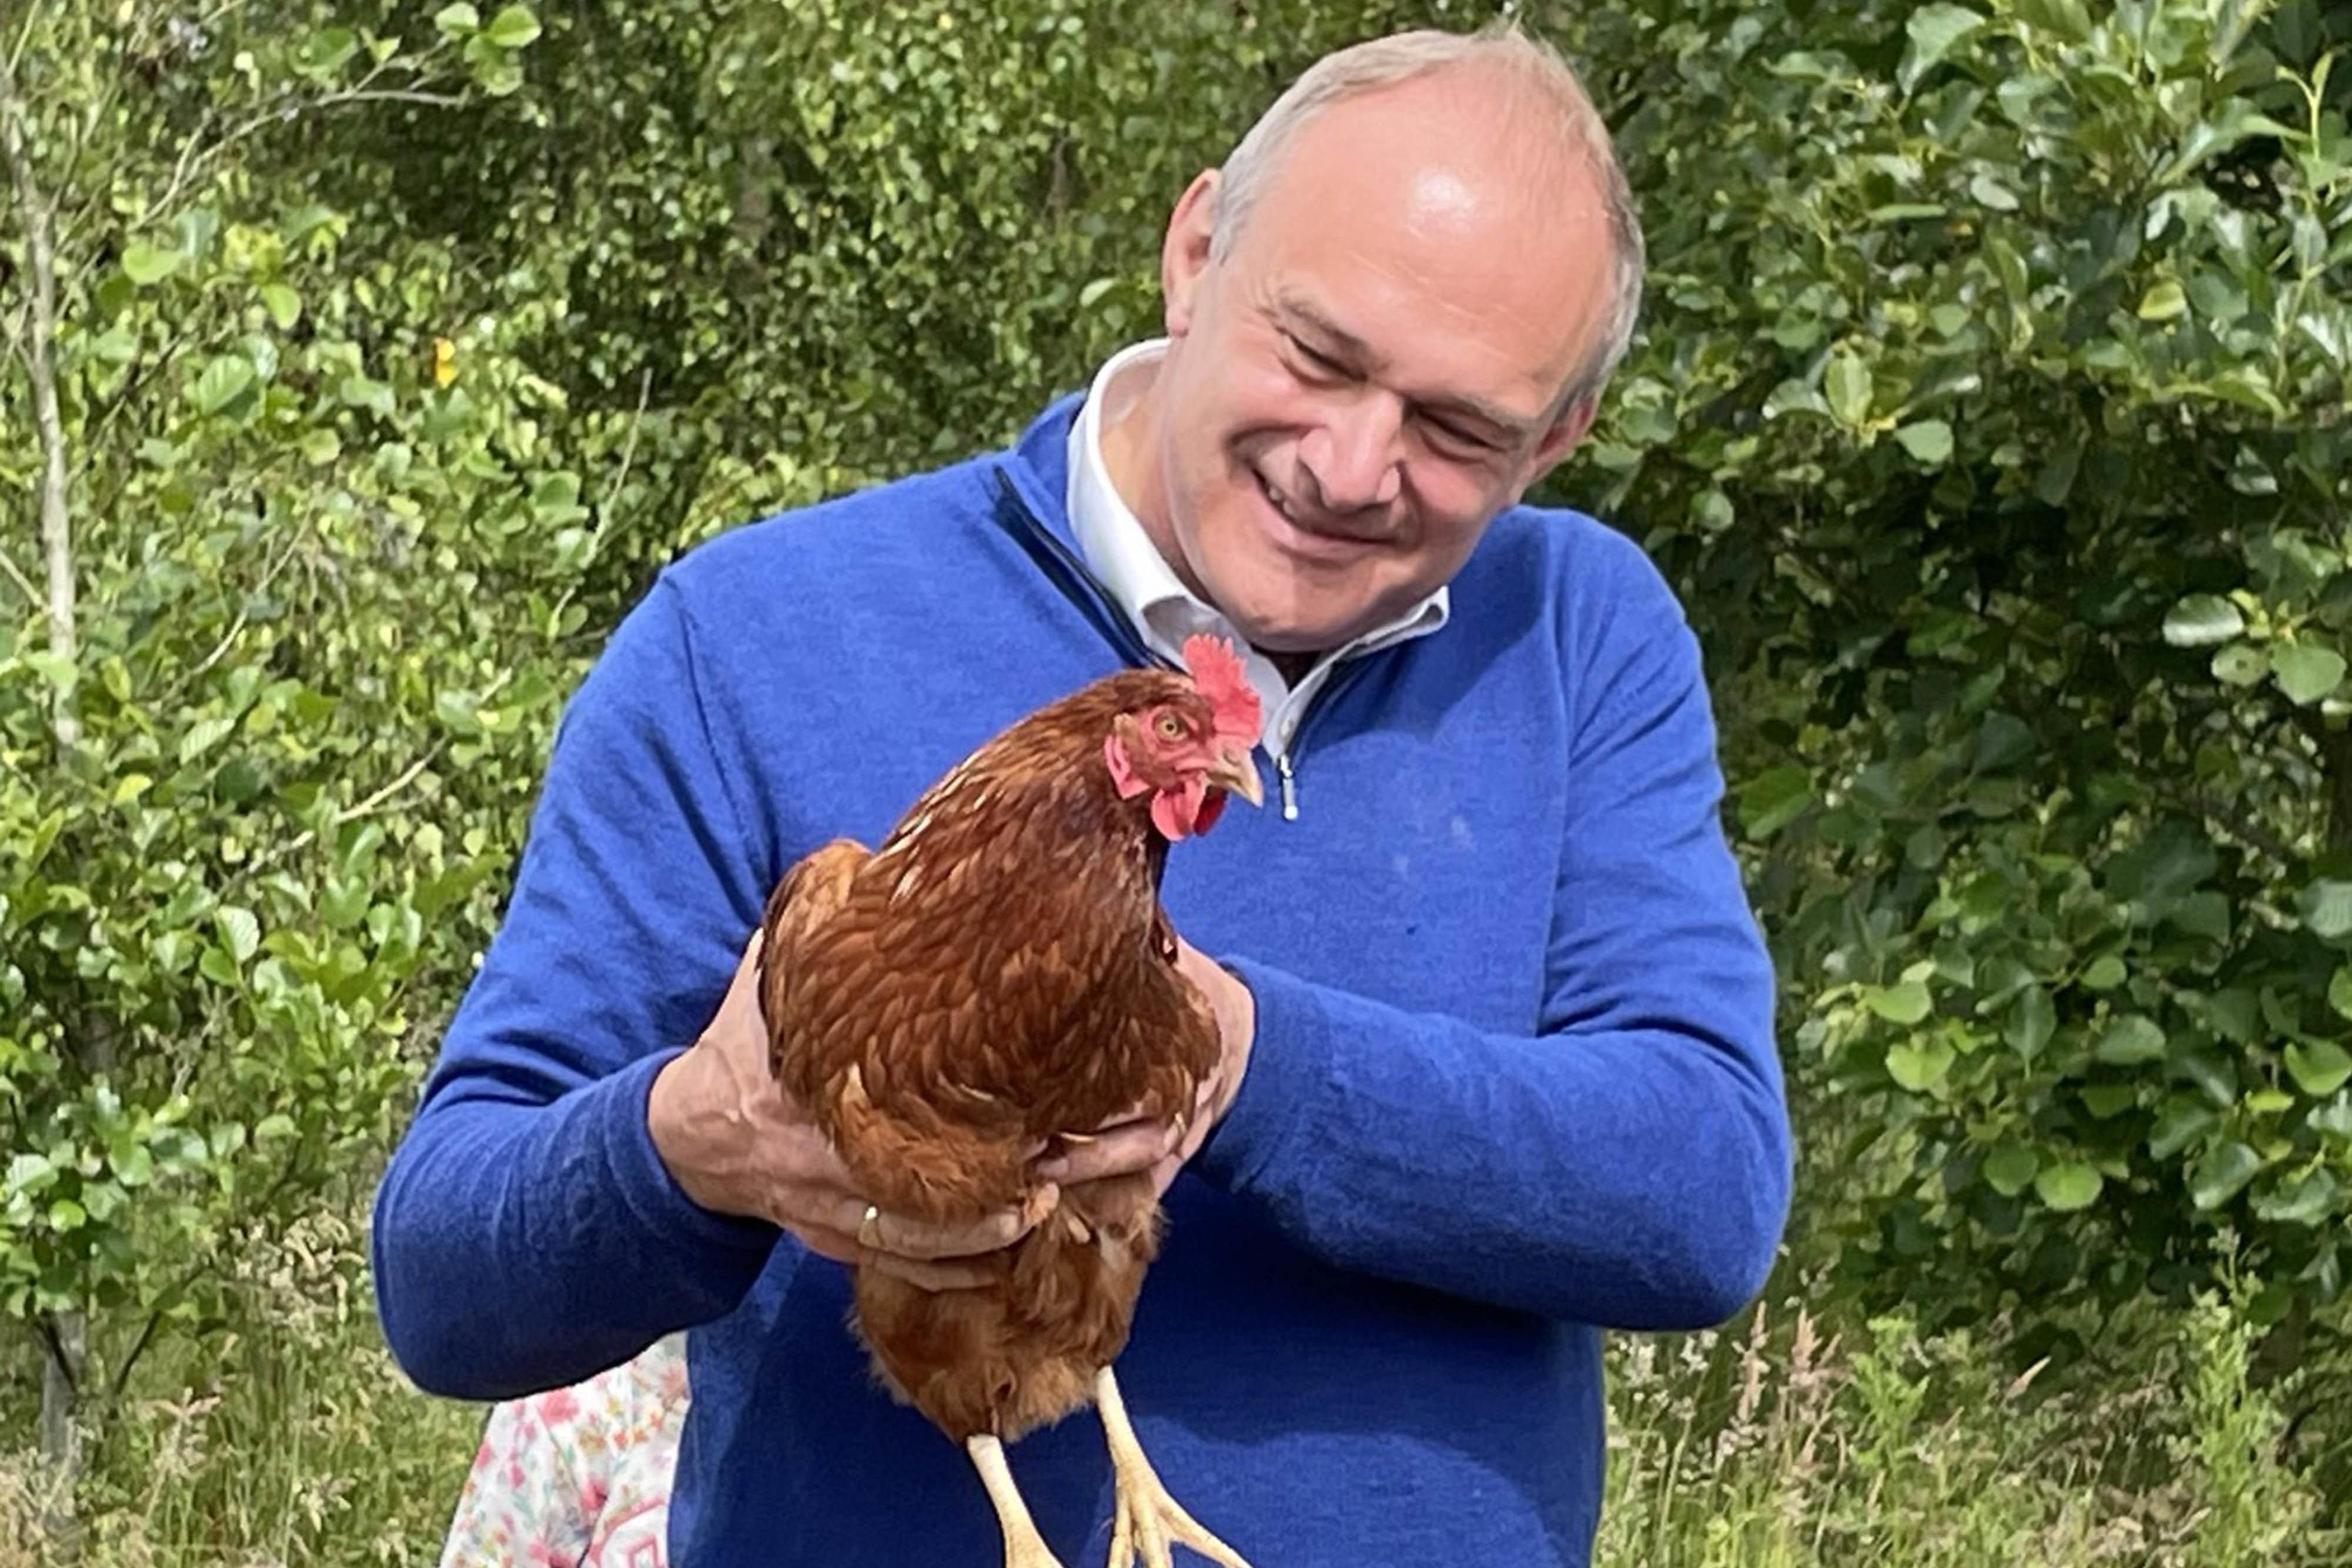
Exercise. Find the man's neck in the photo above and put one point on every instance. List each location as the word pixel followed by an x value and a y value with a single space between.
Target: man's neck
pixel 1130 436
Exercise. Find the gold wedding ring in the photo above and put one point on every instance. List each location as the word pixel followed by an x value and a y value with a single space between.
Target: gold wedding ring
pixel 869 1229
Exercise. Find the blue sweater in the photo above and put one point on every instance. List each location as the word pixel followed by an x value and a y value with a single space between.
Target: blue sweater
pixel 1514 1081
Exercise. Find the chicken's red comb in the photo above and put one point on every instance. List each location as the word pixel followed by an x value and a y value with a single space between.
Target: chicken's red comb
pixel 1217 672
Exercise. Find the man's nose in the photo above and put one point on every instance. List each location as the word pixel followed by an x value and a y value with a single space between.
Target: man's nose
pixel 1351 459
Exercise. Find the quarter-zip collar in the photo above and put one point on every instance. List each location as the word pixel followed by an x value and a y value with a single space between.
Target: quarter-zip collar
pixel 1033 482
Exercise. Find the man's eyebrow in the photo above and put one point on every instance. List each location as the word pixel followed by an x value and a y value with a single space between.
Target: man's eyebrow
pixel 1348 343
pixel 1513 426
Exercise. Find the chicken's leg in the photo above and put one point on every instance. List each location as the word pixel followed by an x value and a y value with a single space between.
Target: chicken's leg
pixel 1024 1547
pixel 1148 1520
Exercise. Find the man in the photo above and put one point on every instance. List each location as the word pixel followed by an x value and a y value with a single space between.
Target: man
pixel 1499 1068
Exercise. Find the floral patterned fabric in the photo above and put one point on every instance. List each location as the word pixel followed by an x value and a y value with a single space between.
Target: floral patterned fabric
pixel 578 1477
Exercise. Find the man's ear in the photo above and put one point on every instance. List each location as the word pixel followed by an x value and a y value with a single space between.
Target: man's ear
pixel 1184 254
pixel 1567 428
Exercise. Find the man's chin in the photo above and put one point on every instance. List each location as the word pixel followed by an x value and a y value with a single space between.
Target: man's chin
pixel 1289 631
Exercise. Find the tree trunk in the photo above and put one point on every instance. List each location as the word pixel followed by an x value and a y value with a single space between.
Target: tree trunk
pixel 57 537
pixel 62 1375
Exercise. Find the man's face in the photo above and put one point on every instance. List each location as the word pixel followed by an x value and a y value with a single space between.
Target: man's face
pixel 1375 371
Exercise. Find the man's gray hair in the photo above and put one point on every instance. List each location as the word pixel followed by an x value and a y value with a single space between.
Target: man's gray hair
pixel 1550 87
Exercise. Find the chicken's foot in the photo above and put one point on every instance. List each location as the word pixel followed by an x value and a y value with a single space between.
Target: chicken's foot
pixel 1024 1546
pixel 1148 1521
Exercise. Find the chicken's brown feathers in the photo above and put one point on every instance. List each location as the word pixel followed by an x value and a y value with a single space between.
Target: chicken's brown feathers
pixel 996 972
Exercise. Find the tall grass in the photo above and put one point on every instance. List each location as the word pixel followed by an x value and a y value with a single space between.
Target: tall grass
pixel 1774 1443
pixel 290 1440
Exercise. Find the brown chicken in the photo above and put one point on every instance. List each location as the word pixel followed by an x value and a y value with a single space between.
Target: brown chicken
pixel 998 976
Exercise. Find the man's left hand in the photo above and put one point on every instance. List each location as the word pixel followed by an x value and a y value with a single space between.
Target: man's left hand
pixel 1127 1145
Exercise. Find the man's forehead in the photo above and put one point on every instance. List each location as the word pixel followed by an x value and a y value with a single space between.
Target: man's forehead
pixel 1296 307
pixel 1470 219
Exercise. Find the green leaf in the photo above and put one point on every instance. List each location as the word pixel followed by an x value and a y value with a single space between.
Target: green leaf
pixel 2240 664
pixel 2306 671
pixel 2105 1100
pixel 1936 31
pixel 2202 620
pixel 2181 1122
pixel 2326 908
pixel 1847 382
pixel 2307 1200
pixel 1905 1002
pixel 136 1168
pixel 202 736
pixel 1929 439
pixel 2010 1167
pixel 2165 301
pixel 2031 1022
pixel 512 27
pixel 66 1215
pixel 2223 1174
pixel 1919 1067
pixel 146 264
pixel 283 305
pixel 1095 290
pixel 344 904
pixel 1992 194
pixel 2339 991
pixel 240 930
pixel 2106 973
pixel 224 381
pixel 2131 1040
pixel 458 21
pixel 2318 1067
pixel 1774 798
pixel 2069 1187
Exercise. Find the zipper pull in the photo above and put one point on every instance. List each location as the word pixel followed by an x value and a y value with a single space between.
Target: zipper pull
pixel 1289 787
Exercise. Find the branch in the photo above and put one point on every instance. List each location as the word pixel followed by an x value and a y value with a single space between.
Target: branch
pixel 294 539
pixel 17 575
pixel 196 153
pixel 2245 831
pixel 2335 747
pixel 122 1378
pixel 57 537
pixel 611 493
pixel 368 807
pixel 58 1356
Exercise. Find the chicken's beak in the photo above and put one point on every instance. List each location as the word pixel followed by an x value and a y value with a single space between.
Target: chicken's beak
pixel 1235 773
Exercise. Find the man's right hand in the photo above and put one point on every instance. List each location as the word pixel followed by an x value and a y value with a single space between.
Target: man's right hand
pixel 736 1144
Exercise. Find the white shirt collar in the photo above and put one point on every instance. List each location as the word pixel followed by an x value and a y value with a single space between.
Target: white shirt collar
pixel 1164 611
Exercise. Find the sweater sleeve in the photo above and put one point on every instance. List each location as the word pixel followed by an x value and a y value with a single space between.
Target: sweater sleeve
pixel 1628 1165
pixel 527 1234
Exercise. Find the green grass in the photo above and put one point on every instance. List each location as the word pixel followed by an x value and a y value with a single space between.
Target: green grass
pixel 1775 1443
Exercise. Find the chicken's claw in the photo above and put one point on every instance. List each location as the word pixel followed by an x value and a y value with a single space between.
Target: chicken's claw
pixel 1024 1547
pixel 1148 1521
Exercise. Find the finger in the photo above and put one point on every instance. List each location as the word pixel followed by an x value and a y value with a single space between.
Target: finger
pixel 922 1274
pixel 1163 1175
pixel 1203 1118
pixel 1136 1147
pixel 904 1237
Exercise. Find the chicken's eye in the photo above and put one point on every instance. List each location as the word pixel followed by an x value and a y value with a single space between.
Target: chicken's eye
pixel 1169 726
